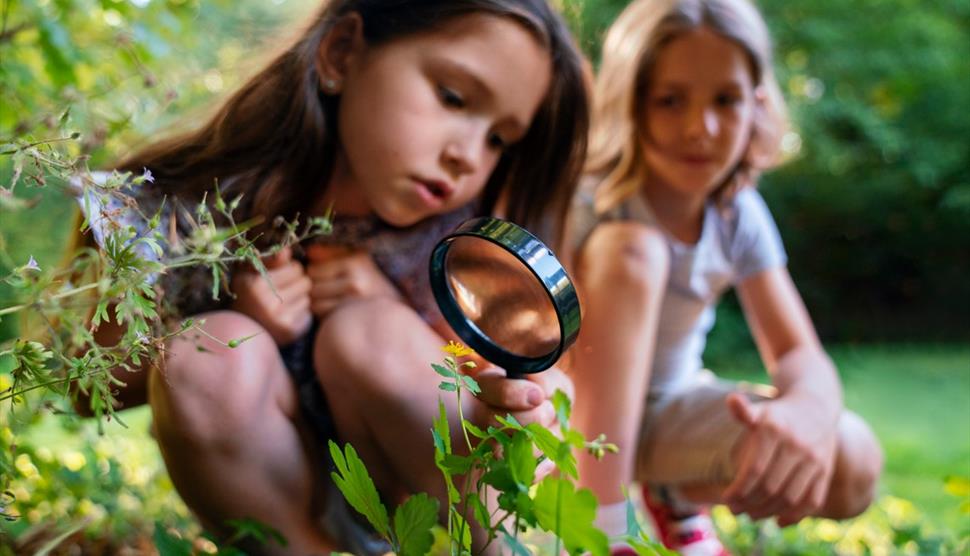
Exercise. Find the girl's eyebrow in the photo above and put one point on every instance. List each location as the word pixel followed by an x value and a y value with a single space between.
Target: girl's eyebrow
pixel 680 85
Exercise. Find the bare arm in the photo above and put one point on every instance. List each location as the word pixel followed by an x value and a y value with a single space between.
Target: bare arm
pixel 786 456
pixel 788 343
pixel 622 274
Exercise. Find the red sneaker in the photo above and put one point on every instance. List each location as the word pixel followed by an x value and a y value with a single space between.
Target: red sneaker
pixel 693 535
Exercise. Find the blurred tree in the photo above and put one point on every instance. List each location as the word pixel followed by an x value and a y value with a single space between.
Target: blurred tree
pixel 874 206
pixel 115 72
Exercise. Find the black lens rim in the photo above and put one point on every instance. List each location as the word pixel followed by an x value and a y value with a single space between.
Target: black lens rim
pixel 540 260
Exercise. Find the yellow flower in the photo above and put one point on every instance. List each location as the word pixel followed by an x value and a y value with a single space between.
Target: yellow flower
pixel 456 349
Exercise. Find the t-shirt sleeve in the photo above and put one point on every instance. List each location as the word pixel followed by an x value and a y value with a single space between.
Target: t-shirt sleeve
pixel 96 206
pixel 757 243
pixel 188 290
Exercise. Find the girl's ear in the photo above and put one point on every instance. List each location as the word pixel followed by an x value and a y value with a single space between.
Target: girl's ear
pixel 338 50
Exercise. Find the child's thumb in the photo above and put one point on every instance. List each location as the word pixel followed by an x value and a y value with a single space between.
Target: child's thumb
pixel 742 409
pixel 279 258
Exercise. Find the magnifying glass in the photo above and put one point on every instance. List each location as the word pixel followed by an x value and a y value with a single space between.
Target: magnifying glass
pixel 505 294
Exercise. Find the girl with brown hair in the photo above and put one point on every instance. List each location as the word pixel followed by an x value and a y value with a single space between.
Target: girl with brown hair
pixel 404 118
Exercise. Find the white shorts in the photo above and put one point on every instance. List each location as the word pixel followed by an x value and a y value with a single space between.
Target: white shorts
pixel 688 435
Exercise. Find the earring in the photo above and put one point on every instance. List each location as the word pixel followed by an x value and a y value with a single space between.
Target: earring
pixel 330 85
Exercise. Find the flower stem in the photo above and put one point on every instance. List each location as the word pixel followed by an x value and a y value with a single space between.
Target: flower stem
pixel 61 295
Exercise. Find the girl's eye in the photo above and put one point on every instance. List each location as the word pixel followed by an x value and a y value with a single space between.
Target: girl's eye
pixel 667 101
pixel 450 98
pixel 727 100
pixel 495 141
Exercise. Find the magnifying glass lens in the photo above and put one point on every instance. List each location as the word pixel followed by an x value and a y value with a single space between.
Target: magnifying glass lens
pixel 505 295
pixel 502 297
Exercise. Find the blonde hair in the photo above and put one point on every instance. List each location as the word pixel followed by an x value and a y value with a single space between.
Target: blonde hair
pixel 629 53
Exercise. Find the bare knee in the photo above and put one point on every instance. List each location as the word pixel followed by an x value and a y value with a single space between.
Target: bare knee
pixel 205 393
pixel 353 349
pixel 857 470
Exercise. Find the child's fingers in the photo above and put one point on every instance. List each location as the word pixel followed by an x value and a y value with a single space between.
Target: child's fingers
pixel 755 459
pixel 322 307
pixel 318 253
pixel 818 491
pixel 278 259
pixel 335 288
pixel 326 270
pixel 767 503
pixel 801 490
pixel 553 379
pixel 505 394
pixel 544 414
pixel 294 289
pixel 286 274
pixel 544 468
pixel 780 473
pixel 298 318
pixel 742 409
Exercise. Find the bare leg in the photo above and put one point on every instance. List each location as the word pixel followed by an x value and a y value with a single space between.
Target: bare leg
pixel 858 465
pixel 373 358
pixel 227 424
pixel 622 274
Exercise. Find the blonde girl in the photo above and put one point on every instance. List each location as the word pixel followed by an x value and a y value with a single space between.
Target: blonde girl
pixel 687 114
pixel 404 118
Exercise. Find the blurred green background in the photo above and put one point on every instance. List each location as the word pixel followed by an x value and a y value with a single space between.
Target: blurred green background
pixel 874 208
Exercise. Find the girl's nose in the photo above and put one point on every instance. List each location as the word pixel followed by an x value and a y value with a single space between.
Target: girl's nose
pixel 701 123
pixel 464 153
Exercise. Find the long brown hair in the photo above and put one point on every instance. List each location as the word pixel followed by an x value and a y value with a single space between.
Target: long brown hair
pixel 275 140
pixel 629 53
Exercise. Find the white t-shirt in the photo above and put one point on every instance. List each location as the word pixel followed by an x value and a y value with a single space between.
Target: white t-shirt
pixel 739 238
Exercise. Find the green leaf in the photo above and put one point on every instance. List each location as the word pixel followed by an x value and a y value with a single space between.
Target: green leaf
pixel 473 430
pixel 632 523
pixel 444 371
pixel 461 532
pixel 500 476
pixel 457 465
pixel 442 443
pixel 522 463
pixel 553 448
pixel 256 530
pixel 448 386
pixel 509 421
pixel 470 383
pixel 479 511
pixel 646 547
pixel 413 522
pixel 563 406
pixel 358 488
pixel 569 514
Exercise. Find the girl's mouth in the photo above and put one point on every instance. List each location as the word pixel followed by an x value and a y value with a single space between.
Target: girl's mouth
pixel 434 192
pixel 440 190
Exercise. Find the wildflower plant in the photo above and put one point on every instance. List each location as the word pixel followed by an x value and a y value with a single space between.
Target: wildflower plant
pixel 55 365
pixel 492 482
